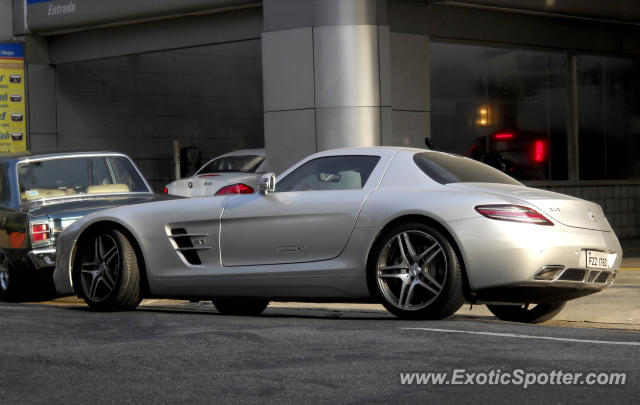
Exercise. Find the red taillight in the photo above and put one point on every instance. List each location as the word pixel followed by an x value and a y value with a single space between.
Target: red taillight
pixel 165 190
pixel 208 175
pixel 513 213
pixel 503 136
pixel 539 151
pixel 39 233
pixel 237 188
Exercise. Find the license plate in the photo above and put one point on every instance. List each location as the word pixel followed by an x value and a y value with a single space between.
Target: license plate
pixel 597 260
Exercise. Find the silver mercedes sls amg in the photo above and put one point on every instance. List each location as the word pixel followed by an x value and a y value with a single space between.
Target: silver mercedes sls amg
pixel 419 231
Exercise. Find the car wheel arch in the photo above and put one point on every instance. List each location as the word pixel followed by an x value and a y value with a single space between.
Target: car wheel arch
pixel 134 243
pixel 424 219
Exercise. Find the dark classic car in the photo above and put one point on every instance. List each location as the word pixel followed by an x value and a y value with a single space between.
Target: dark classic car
pixel 42 194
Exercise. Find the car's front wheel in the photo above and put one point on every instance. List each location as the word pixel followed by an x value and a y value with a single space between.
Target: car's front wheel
pixel 416 272
pixel 526 313
pixel 240 306
pixel 109 273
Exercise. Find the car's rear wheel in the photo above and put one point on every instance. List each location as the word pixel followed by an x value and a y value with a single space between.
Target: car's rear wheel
pixel 416 272
pixel 109 273
pixel 240 306
pixel 526 313
pixel 9 283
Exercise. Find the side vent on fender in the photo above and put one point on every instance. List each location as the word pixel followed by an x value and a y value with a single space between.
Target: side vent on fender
pixel 185 247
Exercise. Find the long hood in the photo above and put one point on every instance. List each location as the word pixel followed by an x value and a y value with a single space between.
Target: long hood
pixel 77 208
pixel 567 210
pixel 208 186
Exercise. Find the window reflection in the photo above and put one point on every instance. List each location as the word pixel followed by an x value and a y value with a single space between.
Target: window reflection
pixel 609 118
pixel 504 107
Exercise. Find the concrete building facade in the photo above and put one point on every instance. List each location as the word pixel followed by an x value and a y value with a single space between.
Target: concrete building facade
pixel 545 90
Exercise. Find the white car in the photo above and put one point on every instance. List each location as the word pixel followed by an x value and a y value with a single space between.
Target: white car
pixel 236 172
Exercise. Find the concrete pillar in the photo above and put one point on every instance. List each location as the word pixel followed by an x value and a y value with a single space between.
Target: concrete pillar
pixel 6 20
pixel 410 93
pixel 325 76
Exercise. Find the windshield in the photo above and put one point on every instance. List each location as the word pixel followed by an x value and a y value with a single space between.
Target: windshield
pixel 63 177
pixel 238 163
pixel 445 168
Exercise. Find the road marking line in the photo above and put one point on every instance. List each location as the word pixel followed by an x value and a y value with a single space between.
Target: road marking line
pixel 514 335
pixel 629 268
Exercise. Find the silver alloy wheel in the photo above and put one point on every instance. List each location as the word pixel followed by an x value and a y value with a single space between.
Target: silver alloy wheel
pixel 4 276
pixel 411 270
pixel 100 268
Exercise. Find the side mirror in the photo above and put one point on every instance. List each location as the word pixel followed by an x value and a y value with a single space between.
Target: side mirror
pixel 267 183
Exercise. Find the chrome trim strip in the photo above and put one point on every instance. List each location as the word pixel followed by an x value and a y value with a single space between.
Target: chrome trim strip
pixel 43 257
pixel 550 267
pixel 188 235
pixel 193 248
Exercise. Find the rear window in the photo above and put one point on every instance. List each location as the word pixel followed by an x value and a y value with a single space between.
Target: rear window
pixel 445 169
pixel 238 163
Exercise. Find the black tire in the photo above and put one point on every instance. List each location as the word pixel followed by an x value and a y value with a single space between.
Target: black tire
pixel 10 282
pixel 522 313
pixel 240 306
pixel 428 279
pixel 107 271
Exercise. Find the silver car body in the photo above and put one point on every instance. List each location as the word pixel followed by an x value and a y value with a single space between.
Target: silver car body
pixel 207 184
pixel 315 244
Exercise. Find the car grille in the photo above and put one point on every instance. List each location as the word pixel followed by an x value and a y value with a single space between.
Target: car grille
pixel 603 277
pixel 572 275
pixel 592 276
pixel 185 245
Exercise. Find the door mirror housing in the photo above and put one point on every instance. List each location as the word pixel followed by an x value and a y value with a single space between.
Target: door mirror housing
pixel 267 183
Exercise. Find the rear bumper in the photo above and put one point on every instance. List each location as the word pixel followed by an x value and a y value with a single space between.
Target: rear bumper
pixel 566 284
pixel 499 254
pixel 43 258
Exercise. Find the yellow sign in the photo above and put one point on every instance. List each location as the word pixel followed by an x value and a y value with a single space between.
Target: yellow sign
pixel 13 120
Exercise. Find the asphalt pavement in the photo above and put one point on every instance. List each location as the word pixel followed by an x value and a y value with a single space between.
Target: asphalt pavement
pixel 170 351
pixel 191 354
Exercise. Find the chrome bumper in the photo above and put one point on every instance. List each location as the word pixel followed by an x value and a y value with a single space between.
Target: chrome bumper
pixel 43 257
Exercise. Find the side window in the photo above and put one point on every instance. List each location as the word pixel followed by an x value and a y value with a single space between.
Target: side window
pixel 99 172
pixel 330 173
pixel 125 173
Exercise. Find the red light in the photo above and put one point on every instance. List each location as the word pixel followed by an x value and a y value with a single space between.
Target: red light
pixel 513 213
pixel 237 188
pixel 39 232
pixel 208 175
pixel 503 136
pixel 165 190
pixel 539 151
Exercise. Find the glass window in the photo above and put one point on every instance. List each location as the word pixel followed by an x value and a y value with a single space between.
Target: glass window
pixel 123 173
pixel 62 177
pixel 504 107
pixel 330 173
pixel 240 163
pixel 609 118
pixel 446 169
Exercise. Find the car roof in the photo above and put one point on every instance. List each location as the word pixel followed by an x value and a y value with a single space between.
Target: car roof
pixel 380 150
pixel 24 156
pixel 257 152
